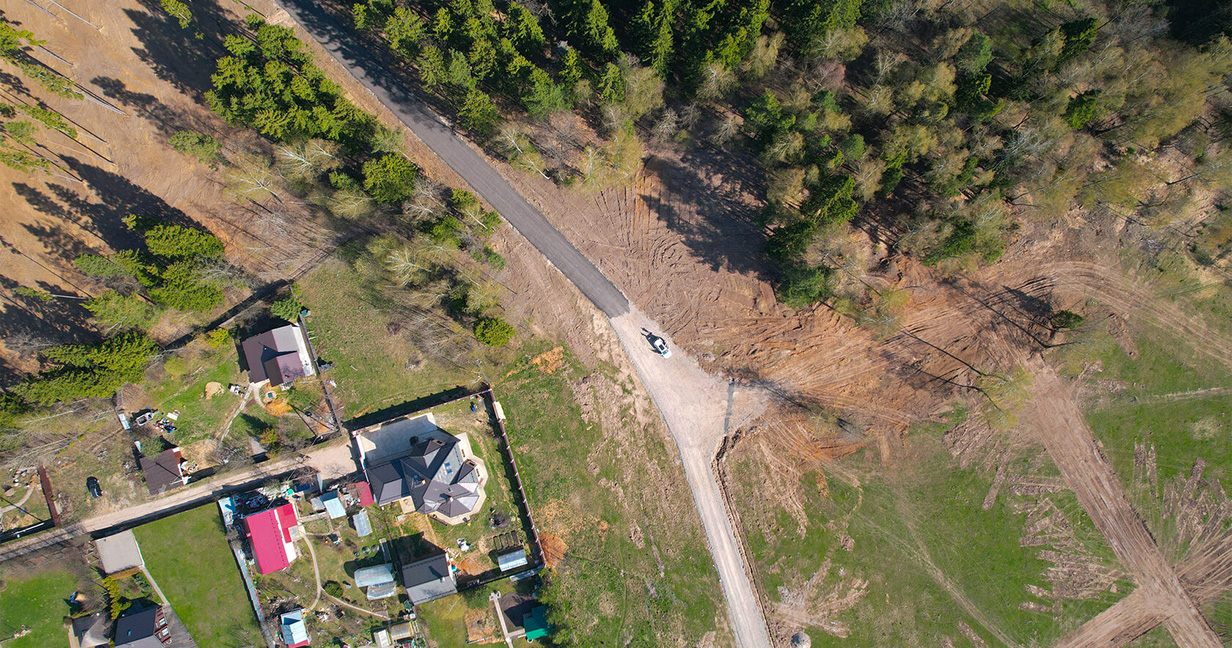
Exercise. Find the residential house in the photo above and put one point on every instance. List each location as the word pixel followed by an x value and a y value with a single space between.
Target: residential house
pixel 143 628
pixel 269 533
pixel 91 631
pixel 279 356
pixel 164 471
pixel 424 468
pixel 294 630
pixel 429 578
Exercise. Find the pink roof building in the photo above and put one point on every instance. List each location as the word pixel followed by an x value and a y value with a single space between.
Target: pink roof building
pixel 270 534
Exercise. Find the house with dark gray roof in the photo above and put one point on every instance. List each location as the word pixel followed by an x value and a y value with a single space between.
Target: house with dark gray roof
pixel 436 475
pixel 144 628
pixel 279 356
pixel 428 579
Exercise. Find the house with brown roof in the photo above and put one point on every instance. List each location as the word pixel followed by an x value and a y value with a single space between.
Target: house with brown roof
pixel 279 356
pixel 164 471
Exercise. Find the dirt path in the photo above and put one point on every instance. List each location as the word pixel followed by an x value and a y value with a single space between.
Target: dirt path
pixel 23 500
pixel 332 462
pixel 1062 429
pixel 316 573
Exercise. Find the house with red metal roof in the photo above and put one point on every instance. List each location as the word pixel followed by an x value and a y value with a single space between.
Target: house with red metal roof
pixel 269 533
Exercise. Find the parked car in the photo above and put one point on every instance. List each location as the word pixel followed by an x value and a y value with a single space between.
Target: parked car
pixel 93 486
pixel 661 347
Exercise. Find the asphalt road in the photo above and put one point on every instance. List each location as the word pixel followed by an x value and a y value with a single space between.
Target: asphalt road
pixel 371 69
pixel 691 402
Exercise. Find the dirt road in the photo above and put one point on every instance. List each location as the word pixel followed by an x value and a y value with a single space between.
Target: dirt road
pixel 692 402
pixel 332 462
pixel 1071 444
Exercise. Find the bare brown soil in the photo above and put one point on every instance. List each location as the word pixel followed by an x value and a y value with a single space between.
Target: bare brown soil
pixel 143 78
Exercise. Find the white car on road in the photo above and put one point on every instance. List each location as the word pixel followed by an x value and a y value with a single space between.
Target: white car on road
pixel 661 347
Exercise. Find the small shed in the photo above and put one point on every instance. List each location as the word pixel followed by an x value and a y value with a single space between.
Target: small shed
pixel 382 591
pixel 363 492
pixel 333 505
pixel 401 631
pixel 294 630
pixel 363 526
pixel 91 631
pixel 536 624
pixel 119 552
pixel 511 559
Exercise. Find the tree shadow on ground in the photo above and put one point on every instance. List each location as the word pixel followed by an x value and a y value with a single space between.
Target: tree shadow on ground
pixel 176 54
pixel 117 197
pixel 168 120
pixel 30 324
pixel 120 196
pixel 721 232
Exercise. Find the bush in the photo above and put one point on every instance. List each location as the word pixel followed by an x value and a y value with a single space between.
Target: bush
pixel 218 338
pixel 333 588
pixel 494 331
pixel 1062 320
pixel 176 366
pixel 287 308
pixel 203 147
pixel 804 286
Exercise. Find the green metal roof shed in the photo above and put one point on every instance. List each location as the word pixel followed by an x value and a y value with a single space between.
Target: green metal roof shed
pixel 536 623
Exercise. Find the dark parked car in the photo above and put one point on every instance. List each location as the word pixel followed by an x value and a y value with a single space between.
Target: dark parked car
pixel 93 487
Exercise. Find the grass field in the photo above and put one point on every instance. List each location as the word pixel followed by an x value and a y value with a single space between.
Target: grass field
pixel 192 563
pixel 199 417
pixel 351 323
pixel 40 602
pixel 636 571
pixel 923 558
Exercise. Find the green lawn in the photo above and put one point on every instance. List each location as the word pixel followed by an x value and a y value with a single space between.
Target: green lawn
pixel 199 417
pixel 932 557
pixel 191 561
pixel 351 323
pixel 636 571
pixel 39 602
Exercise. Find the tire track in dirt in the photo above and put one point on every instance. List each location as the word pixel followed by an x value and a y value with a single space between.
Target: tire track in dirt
pixel 1205 573
pixel 1062 429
